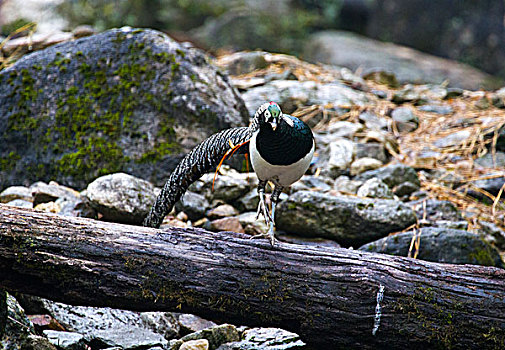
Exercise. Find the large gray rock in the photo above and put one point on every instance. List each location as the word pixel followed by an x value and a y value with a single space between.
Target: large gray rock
pixel 124 100
pixel 440 245
pixel 108 327
pixel 265 339
pixel 435 210
pixel 216 336
pixel 409 65
pixel 336 158
pixel 121 197
pixel 16 192
pixel 44 193
pixel 375 188
pixel 348 220
pixel 190 323
pixel 400 178
pixel 193 204
pixel 228 188
pixel 65 340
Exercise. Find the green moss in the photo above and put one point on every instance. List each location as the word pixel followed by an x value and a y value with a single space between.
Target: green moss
pixel 180 53
pixel 9 162
pixel 120 37
pixel 91 117
pixel 364 206
pixel 482 256
pixel 292 206
pixel 424 309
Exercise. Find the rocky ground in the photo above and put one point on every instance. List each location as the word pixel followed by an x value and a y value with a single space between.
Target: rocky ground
pixel 410 170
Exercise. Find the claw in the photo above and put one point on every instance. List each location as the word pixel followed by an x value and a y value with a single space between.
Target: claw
pixel 262 209
pixel 270 235
pixel 270 221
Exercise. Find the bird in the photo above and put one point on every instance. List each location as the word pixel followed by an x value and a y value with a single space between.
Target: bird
pixel 280 147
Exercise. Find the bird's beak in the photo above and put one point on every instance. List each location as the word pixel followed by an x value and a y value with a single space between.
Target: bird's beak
pixel 273 123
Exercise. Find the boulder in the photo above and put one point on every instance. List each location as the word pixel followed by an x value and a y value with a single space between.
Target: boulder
pixel 436 108
pixel 44 193
pixel 227 224
pixel 65 340
pixel 222 211
pixel 244 62
pixel 266 339
pixel 440 245
pixel 355 51
pixel 344 185
pixel 434 210
pixel 199 344
pixel 108 327
pixel 249 201
pixel 364 164
pixel 16 192
pixel 193 204
pixel 348 220
pixel 373 121
pixel 404 120
pixel 336 158
pixel 373 150
pixel 216 336
pixel 422 94
pixel 123 100
pixel 343 129
pixel 396 176
pixel 121 197
pixel 251 225
pixel 375 188
pixel 228 187
pixel 191 323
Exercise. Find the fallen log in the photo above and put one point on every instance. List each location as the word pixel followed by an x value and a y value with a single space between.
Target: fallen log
pixel 333 298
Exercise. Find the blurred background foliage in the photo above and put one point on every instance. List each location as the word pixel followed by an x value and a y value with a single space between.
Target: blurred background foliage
pixel 235 24
pixel 469 31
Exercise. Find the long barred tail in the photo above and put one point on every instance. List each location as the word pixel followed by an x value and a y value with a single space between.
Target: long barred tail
pixel 200 160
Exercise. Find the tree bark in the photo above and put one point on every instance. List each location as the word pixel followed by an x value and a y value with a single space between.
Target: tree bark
pixel 328 296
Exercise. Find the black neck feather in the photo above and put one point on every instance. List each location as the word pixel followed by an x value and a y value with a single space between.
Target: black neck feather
pixel 286 145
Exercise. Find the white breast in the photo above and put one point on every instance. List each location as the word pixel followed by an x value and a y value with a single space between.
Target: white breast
pixel 283 175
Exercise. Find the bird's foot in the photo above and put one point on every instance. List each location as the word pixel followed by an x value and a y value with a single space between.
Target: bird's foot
pixel 263 210
pixel 270 235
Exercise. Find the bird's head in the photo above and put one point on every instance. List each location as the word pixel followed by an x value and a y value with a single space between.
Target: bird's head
pixel 270 113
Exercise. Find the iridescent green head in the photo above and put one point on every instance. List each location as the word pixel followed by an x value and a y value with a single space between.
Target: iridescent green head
pixel 271 113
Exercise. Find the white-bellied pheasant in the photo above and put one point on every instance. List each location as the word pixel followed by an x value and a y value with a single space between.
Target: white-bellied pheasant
pixel 281 149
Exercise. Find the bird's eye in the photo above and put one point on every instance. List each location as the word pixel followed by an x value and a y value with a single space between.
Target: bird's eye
pixel 267 115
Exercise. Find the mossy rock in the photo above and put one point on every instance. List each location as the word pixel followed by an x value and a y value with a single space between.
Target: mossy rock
pixel 350 221
pixel 440 245
pixel 129 100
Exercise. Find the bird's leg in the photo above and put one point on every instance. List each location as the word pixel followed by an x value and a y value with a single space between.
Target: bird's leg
pixel 262 208
pixel 270 234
